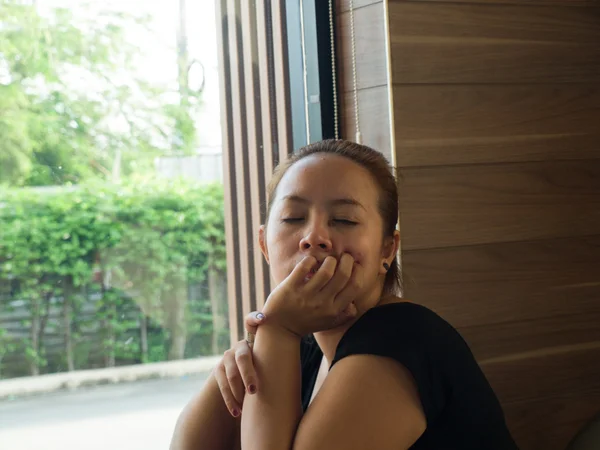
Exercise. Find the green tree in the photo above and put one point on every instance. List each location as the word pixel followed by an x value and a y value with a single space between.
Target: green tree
pixel 159 247
pixel 71 104
pixel 74 108
pixel 48 244
pixel 172 237
pixel 7 346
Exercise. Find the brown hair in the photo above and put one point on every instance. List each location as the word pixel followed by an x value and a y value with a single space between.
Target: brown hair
pixel 382 173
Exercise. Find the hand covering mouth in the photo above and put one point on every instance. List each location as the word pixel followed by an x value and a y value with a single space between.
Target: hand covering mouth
pixel 316 267
pixel 313 271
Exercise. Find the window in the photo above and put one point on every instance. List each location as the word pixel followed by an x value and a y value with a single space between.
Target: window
pixel 112 246
pixel 116 119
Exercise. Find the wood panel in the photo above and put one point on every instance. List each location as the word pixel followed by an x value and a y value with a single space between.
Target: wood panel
pixel 546 376
pixel 283 145
pixel 256 136
pixel 504 282
pixel 457 43
pixel 501 339
pixel 253 159
pixel 268 115
pixel 233 285
pixel 491 24
pixel 550 423
pixel 513 2
pixel 373 107
pixel 497 137
pixel 464 205
pixel 370 37
pixel 452 124
pixel 233 170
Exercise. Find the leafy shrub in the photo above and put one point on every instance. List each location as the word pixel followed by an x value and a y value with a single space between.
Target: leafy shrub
pixel 112 270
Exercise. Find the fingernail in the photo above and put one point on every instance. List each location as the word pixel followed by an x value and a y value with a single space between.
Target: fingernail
pixel 260 316
pixel 236 412
pixel 252 389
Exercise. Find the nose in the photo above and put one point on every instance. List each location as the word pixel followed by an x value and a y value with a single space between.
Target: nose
pixel 317 238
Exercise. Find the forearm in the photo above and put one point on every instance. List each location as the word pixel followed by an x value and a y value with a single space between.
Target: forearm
pixel 271 416
pixel 205 423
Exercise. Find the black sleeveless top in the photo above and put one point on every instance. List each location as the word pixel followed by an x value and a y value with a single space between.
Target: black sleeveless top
pixel 461 409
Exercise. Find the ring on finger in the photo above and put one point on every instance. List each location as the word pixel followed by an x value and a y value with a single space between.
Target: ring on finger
pixel 250 338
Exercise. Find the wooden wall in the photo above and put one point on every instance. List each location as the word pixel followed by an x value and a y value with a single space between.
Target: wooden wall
pixel 256 137
pixel 496 130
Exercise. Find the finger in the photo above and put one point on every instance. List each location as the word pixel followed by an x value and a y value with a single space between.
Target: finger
pixel 352 288
pixel 253 320
pixel 245 364
pixel 230 402
pixel 324 274
pixel 234 378
pixel 301 270
pixel 341 276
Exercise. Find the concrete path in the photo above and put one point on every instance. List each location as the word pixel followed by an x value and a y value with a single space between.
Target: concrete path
pixel 43 384
pixel 138 415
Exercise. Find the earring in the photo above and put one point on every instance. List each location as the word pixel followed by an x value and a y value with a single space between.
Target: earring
pixel 386 266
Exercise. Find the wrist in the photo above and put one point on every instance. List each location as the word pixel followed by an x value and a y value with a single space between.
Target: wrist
pixel 280 332
pixel 276 319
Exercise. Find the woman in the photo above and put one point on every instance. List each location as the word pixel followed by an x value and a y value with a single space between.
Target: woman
pixel 378 371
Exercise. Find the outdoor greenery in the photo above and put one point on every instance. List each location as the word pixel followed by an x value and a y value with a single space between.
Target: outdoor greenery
pixel 101 262
pixel 72 105
pixel 136 249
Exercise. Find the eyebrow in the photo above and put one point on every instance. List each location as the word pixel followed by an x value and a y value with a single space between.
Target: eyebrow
pixel 337 201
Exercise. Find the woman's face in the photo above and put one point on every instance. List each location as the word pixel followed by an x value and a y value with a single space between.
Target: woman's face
pixel 327 205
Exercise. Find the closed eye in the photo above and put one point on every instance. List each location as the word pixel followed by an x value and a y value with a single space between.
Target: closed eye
pixel 335 221
pixel 345 222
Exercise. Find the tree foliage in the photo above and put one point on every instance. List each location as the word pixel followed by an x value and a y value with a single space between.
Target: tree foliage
pixel 99 251
pixel 72 105
pixel 140 246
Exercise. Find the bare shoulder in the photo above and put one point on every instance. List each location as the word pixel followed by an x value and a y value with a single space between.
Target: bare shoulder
pixel 366 401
